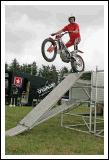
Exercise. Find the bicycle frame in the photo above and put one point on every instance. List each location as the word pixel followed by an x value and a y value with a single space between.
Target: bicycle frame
pixel 61 44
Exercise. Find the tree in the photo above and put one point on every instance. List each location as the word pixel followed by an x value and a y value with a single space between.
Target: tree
pixel 86 76
pixel 29 69
pixel 54 74
pixel 44 71
pixel 49 73
pixel 23 68
pixel 34 68
pixel 6 66
pixel 14 66
pixel 62 72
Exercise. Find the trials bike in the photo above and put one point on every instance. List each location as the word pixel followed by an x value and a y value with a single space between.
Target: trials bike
pixel 77 62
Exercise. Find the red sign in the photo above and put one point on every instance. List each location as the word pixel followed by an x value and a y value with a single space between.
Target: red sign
pixel 18 81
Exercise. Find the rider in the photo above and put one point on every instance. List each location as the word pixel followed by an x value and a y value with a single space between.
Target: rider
pixel 74 34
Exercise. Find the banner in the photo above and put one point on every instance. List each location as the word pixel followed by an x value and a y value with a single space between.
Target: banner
pixel 18 81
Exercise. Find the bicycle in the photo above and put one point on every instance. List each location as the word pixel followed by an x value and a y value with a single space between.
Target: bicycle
pixel 77 62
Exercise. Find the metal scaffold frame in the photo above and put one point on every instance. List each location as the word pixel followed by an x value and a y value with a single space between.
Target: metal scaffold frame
pixel 91 119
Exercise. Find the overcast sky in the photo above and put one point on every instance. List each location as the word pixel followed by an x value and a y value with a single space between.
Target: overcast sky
pixel 26 26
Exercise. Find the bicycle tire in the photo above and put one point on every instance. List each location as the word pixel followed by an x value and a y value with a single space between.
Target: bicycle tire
pixel 74 66
pixel 43 49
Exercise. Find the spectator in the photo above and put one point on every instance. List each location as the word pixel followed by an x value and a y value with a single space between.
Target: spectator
pixel 14 95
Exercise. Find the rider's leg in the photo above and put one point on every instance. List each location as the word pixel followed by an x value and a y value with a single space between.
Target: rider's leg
pixel 69 43
pixel 76 42
pixel 76 46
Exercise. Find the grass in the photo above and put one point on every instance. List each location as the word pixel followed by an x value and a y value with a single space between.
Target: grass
pixel 49 138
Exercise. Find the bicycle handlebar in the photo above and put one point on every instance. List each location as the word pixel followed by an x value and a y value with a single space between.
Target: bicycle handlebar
pixel 67 32
pixel 53 34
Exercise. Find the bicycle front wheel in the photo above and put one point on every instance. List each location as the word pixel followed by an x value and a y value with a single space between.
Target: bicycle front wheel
pixel 49 49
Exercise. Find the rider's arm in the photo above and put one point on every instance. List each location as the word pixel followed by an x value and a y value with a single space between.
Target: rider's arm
pixel 60 31
pixel 76 31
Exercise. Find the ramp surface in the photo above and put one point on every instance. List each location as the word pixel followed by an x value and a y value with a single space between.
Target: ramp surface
pixel 45 105
pixel 57 110
pixel 16 130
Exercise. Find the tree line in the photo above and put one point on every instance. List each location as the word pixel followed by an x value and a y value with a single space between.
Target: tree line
pixel 45 71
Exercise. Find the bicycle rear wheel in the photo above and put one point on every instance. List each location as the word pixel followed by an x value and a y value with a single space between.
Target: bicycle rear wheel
pixel 77 64
pixel 49 56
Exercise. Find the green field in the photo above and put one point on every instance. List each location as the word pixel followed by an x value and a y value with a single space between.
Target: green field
pixel 49 138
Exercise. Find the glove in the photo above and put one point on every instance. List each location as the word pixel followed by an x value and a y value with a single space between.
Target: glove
pixel 53 34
